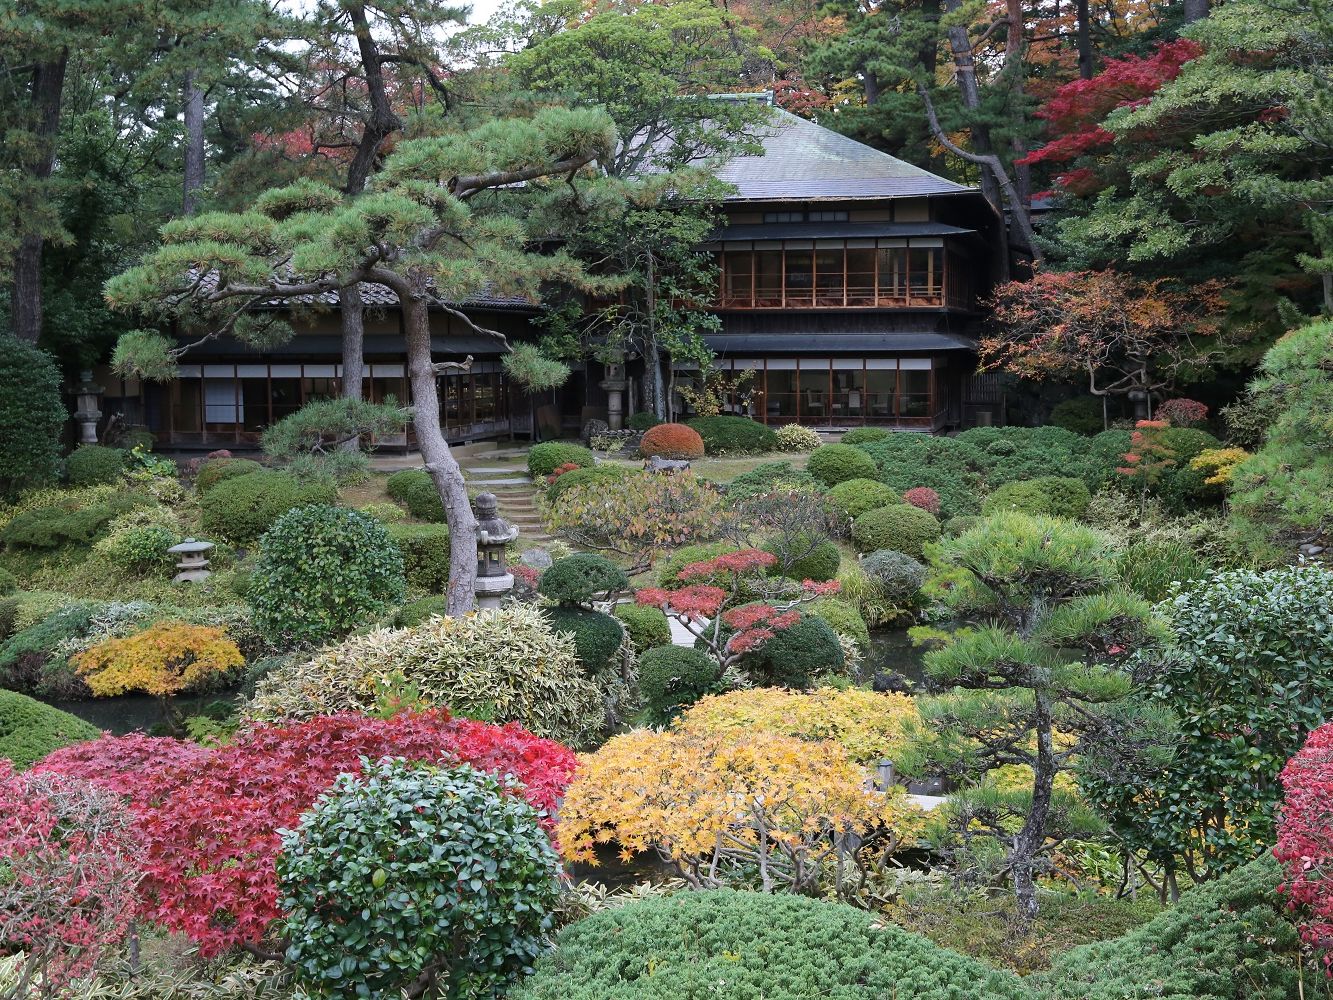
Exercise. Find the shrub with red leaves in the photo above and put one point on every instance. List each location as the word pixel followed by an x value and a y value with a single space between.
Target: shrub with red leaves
pixel 672 441
pixel 69 855
pixel 560 470
pixel 210 817
pixel 1305 839
pixel 1183 412
pixel 923 497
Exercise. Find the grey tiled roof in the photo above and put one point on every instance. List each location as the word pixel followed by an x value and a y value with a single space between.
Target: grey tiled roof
pixel 376 296
pixel 803 161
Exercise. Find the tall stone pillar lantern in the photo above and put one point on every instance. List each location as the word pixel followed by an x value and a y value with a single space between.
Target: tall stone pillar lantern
pixel 615 384
pixel 87 413
pixel 494 533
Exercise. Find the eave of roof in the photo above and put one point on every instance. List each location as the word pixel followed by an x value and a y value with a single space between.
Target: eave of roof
pixel 834 230
pixel 847 343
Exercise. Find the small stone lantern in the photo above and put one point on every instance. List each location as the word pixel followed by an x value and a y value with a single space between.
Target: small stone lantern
pixel 193 563
pixel 87 395
pixel 615 384
pixel 494 533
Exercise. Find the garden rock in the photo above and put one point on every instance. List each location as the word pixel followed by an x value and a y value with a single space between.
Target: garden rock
pixel 669 466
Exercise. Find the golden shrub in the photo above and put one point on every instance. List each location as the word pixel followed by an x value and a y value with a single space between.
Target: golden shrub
pixel 162 661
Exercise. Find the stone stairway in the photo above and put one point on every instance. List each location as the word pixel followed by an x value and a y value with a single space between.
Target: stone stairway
pixel 503 471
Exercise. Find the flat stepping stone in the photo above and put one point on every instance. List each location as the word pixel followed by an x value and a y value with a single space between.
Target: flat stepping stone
pixel 498 482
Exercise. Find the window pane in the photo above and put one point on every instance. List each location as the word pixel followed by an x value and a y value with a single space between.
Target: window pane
pixel 254 403
pixel 814 400
pixel 881 386
pixel 739 287
pixel 927 275
pixel 892 279
pixel 914 394
pixel 800 278
pixel 187 405
pixel 220 403
pixel 829 269
pixel 860 277
pixel 286 394
pixel 848 393
pixel 768 278
pixel 780 396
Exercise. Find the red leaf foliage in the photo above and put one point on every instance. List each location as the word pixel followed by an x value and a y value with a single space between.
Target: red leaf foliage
pixel 210 818
pixel 1305 839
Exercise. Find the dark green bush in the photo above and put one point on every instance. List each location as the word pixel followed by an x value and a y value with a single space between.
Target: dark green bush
pixel 416 612
pixel 1186 443
pixel 597 636
pixel 648 627
pixel 322 571
pixel 29 729
pixel 843 618
pixel 902 527
pixel 672 678
pixel 581 579
pixel 94 465
pixel 51 527
pixel 907 460
pixel 1105 454
pixel 850 499
pixel 1002 454
pixel 795 656
pixel 866 435
pixel 1053 496
pixel 1082 415
pixel 215 470
pixel 837 463
pixel 806 562
pixel 425 552
pixel 8 582
pixel 31 660
pixel 1150 567
pixel 729 435
pixel 243 508
pixel 545 458
pixel 768 476
pixel 32 415
pixel 955 526
pixel 641 421
pixel 668 571
pixel 415 490
pixel 734 945
pixel 899 574
pixel 1225 940
pixel 583 477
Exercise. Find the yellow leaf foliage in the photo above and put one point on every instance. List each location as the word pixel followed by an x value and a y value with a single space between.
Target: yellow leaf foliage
pixel 870 726
pixel 754 801
pixel 1219 463
pixel 162 661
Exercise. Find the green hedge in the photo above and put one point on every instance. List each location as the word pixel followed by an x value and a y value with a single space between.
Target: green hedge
pixel 902 527
pixel 729 435
pixel 243 508
pixel 597 636
pixel 819 563
pixel 1082 415
pixel 51 527
pixel 32 415
pixel 585 476
pixel 415 490
pixel 648 627
pixel 734 945
pixel 837 463
pixel 94 465
pixel 215 470
pixel 30 729
pixel 425 552
pixel 581 579
pixel 545 458
pixel 1052 496
pixel 672 678
pixel 641 421
pixel 866 435
pixel 850 499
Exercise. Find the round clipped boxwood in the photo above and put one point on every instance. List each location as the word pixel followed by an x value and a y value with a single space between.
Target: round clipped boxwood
pixel 728 435
pixel 1053 496
pixel 415 490
pixel 794 437
pixel 424 549
pixel 901 576
pixel 902 527
pixel 795 656
pixel 1082 415
pixel 409 867
pixel 648 627
pixel 843 618
pixel 866 435
pixel 322 571
pixel 850 499
pixel 581 579
pixel 769 477
pixel 418 611
pixel 805 561
pixel 837 463
pixel 672 678
pixel 729 944
pixel 243 508
pixel 215 470
pixel 585 476
pixel 94 465
pixel 597 636
pixel 676 441
pixel 545 458
pixel 32 416
pixel 641 421
pixel 30 729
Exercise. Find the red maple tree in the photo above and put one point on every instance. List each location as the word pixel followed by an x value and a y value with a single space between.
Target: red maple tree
pixel 1305 840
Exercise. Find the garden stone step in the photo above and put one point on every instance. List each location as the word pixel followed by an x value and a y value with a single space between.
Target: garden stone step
pixel 497 482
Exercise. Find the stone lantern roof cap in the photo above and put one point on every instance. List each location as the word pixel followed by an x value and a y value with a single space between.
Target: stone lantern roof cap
pixel 191 545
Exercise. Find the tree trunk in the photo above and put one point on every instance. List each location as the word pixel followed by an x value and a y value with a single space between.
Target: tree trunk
pixel 929 54
pixel 354 361
pixel 1195 10
pixel 965 71
pixel 1030 839
pixel 460 596
pixel 1014 51
pixel 194 143
pixel 1084 20
pixel 655 402
pixel 48 85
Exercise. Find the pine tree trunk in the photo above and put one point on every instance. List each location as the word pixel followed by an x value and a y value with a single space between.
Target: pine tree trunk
pixel 1030 839
pixel 1195 10
pixel 352 314
pixel 965 71
pixel 1084 20
pixel 460 596
pixel 194 144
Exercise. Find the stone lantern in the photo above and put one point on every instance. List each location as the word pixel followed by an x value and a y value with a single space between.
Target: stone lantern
pixel 87 394
pixel 193 563
pixel 494 533
pixel 615 384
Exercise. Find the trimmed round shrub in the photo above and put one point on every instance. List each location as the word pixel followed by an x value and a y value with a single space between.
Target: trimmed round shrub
pixel 322 571
pixel 1187 443
pixel 30 729
pixel 545 458
pixel 767 477
pixel 455 840
pixel 415 490
pixel 648 627
pixel 838 463
pixel 424 549
pixel 794 437
pixel 1082 415
pixel 675 441
pixel 730 435
pixel 216 470
pixel 32 415
pixel 901 576
pixel 850 499
pixel 923 497
pixel 584 476
pixel 843 618
pixel 963 522
pixel 597 635
pixel 643 420
pixel 668 572
pixel 94 465
pixel 866 435
pixel 902 527
pixel 796 655
pixel 243 508
pixel 581 579
pixel 1052 496
pixel 138 541
pixel 420 610
pixel 819 563
pixel 728 944
pixel 672 678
